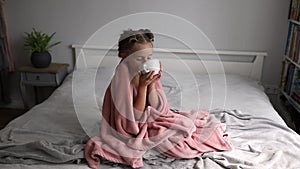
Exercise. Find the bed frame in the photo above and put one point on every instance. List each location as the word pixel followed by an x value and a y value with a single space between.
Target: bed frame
pixel 245 63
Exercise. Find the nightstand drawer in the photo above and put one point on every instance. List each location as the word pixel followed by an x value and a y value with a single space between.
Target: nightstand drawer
pixel 40 77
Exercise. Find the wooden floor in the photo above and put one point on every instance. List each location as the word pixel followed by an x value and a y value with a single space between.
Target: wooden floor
pixel 289 114
pixel 7 114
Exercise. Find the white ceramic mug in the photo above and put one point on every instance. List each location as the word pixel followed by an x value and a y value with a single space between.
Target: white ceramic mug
pixel 149 65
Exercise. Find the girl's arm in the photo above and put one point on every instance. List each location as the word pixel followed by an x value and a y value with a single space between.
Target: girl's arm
pixel 152 92
pixel 145 83
pixel 153 95
pixel 140 101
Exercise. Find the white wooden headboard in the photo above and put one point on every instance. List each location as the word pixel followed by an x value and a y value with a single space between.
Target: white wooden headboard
pixel 245 63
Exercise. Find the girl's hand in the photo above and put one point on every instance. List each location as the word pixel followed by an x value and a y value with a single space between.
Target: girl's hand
pixel 161 69
pixel 148 78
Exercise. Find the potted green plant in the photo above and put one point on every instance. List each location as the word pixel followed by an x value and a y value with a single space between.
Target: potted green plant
pixel 39 45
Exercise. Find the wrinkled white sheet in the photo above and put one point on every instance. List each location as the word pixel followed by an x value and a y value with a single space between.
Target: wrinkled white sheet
pixel 260 136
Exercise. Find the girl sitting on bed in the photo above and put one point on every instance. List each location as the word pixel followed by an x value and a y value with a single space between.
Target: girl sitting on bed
pixel 136 117
pixel 135 48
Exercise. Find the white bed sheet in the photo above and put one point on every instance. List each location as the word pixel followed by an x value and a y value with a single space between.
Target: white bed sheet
pixel 57 114
pixel 219 91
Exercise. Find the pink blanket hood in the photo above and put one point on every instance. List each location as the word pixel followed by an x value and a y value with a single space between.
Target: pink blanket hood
pixel 175 134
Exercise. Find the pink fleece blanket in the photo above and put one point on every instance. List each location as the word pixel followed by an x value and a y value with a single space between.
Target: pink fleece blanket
pixel 175 134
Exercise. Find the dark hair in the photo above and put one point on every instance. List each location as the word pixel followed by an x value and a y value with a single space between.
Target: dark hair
pixel 131 37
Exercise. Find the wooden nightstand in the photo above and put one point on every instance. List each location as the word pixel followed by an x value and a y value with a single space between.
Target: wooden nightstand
pixel 50 76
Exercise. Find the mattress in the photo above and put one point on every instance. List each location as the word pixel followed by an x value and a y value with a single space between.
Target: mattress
pixel 53 133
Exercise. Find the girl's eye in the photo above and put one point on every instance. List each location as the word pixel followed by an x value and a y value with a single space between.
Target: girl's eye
pixel 140 58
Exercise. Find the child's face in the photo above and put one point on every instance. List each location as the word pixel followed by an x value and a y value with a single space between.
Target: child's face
pixel 140 54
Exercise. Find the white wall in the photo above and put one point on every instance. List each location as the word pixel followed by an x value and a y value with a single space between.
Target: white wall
pixel 229 24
